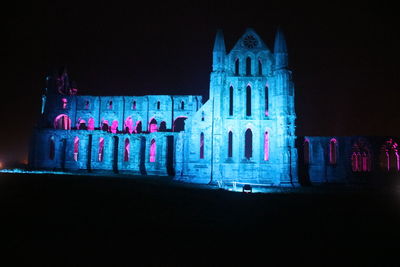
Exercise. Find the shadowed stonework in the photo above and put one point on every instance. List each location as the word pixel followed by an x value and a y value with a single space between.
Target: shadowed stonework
pixel 245 132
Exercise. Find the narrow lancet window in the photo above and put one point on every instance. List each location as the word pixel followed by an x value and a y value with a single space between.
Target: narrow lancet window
pixel 230 144
pixel 259 68
pixel 110 105
pixel 182 105
pixel 127 150
pixel 153 150
pixel 248 144
pixel 266 101
pixel 76 148
pixel 158 105
pixel 101 149
pixel 332 151
pixel 248 66
pixel 52 148
pixel 248 101
pixel 266 146
pixel 306 151
pixel 237 67
pixel 202 145
pixel 230 101
pixel 134 105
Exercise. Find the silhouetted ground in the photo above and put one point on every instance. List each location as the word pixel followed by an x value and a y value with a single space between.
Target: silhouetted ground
pixel 53 220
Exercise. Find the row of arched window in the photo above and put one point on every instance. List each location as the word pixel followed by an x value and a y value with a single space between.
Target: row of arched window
pixel 248 145
pixel 248 100
pixel 100 153
pixel 248 71
pixel 361 157
pixel 63 122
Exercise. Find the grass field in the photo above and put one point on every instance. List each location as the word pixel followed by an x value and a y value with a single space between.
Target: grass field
pixel 59 220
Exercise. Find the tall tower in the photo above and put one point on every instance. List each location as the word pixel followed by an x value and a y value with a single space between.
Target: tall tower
pixel 253 112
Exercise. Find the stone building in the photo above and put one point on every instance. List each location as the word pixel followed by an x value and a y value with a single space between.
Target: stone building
pixel 243 134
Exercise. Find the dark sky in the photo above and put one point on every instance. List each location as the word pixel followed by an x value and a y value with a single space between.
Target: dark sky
pixel 344 57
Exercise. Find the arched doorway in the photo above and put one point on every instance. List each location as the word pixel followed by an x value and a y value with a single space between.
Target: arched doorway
pixel 62 122
pixel 179 124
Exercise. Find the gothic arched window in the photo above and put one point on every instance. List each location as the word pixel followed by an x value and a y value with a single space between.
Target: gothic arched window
pixel 153 126
pixel 158 105
pixel 248 144
pixel 230 144
pixel 248 101
pixel 134 105
pixel 237 67
pixel 259 67
pixel 230 101
pixel 101 149
pixel 153 150
pixel 266 146
pixel 248 66
pixel 332 151
pixel 126 150
pixel 52 148
pixel 90 124
pixel 202 145
pixel 266 100
pixel 182 105
pixel 76 148
pixel 306 151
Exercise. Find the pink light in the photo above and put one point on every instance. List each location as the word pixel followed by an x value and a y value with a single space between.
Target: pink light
pixel 101 149
pixel 266 146
pixel 153 126
pixel 114 126
pixel 64 103
pixel 76 148
pixel 129 125
pixel 127 149
pixel 62 122
pixel 91 124
pixel 354 162
pixel 152 150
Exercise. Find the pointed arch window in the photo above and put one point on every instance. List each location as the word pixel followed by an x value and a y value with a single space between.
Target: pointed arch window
pixel 182 105
pixel 110 105
pixel 114 126
pixel 248 144
pixel 230 144
pixel 266 100
pixel 236 67
pixel 134 105
pixel 306 151
pixel 90 124
pixel 259 67
pixel 202 145
pixel 76 148
pixel 248 66
pixel 158 105
pixel 230 101
pixel 266 146
pixel 202 116
pixel 52 148
pixel 127 149
pixel 153 126
pixel 248 100
pixel 153 150
pixel 87 104
pixel 332 151
pixel 101 149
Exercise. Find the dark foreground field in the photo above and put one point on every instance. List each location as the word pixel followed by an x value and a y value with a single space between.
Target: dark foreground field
pixel 77 220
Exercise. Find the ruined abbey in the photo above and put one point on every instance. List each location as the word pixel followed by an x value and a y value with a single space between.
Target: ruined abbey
pixel 244 133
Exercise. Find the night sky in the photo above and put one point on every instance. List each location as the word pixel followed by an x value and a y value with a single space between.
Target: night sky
pixel 344 57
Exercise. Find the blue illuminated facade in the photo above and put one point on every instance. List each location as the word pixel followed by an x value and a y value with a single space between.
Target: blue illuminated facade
pixel 244 133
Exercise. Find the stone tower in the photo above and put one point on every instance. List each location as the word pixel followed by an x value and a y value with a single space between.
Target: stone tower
pixel 253 116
